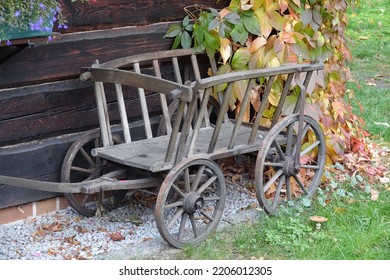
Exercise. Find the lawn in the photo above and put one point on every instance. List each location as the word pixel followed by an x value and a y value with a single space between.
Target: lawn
pixel 358 212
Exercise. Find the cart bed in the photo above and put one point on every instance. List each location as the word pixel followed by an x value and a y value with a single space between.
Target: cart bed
pixel 149 154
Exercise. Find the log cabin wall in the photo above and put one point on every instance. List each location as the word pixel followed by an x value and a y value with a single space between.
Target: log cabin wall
pixel 44 106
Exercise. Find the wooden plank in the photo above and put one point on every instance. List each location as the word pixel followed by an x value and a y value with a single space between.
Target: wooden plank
pixel 37 112
pixel 107 14
pixel 50 62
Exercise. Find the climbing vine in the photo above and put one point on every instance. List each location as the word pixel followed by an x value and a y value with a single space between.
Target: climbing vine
pixel 249 34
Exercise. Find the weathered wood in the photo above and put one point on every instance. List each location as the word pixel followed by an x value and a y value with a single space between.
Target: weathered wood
pixel 107 14
pixel 37 112
pixel 149 154
pixel 63 59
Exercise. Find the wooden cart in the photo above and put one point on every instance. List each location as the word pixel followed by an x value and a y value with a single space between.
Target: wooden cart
pixel 178 151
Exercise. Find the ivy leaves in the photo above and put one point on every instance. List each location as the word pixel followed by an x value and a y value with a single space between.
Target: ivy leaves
pixel 181 34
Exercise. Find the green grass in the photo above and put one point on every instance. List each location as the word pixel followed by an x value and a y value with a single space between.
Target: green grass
pixel 368 35
pixel 357 226
pixel 354 231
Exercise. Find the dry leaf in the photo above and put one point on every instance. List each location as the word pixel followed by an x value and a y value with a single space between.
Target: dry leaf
pixel 116 236
pixel 374 195
pixel 52 252
pixel 72 240
pixel 371 84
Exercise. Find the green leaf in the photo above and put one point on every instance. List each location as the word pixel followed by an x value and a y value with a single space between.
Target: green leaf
pixel 173 31
pixel 240 59
pixel 232 17
pixel 211 41
pixel 214 24
pixel 185 40
pixel 239 34
pixel 214 12
pixel 186 21
pixel 307 16
pixel 176 42
pixel 306 202
pixel 252 25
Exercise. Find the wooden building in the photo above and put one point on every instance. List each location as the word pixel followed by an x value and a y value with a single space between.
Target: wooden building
pixel 44 105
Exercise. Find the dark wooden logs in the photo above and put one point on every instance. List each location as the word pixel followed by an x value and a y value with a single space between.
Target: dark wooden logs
pixel 42 102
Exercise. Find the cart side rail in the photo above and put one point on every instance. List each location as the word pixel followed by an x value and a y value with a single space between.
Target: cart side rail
pixel 164 73
pixel 260 82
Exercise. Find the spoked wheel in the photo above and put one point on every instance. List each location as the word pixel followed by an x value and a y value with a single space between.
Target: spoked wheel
pixel 190 202
pixel 79 165
pixel 279 178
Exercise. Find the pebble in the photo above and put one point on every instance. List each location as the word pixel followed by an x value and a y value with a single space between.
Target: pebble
pixel 66 234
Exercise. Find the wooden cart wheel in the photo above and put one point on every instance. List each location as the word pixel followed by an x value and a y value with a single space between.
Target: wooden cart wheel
pixel 278 179
pixel 79 165
pixel 190 202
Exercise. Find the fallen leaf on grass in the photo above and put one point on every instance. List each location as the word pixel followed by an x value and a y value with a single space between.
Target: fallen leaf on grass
pixel 371 84
pixel 116 236
pixel 374 195
pixel 382 124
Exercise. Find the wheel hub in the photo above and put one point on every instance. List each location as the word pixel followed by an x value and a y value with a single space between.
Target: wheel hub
pixel 289 166
pixel 193 202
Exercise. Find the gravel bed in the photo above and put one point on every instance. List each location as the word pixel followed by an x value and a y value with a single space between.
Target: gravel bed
pixel 66 234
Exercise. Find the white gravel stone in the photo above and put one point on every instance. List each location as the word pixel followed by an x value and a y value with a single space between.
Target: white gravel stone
pixel 68 235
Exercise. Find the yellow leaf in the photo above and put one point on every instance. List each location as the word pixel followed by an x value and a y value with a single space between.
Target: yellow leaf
pixel 258 43
pixel 225 49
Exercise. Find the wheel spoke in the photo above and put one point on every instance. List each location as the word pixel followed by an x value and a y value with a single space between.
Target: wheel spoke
pixel 306 166
pixel 206 184
pixel 288 188
pixel 305 130
pixel 278 149
pixel 311 147
pixel 174 204
pixel 211 198
pixel 300 184
pixel 187 188
pixel 83 170
pixel 175 218
pixel 177 190
pixel 184 218
pixel 85 199
pixel 289 140
pixel 87 157
pixel 198 176
pixel 193 224
pixel 278 190
pixel 207 215
pixel 273 164
pixel 273 179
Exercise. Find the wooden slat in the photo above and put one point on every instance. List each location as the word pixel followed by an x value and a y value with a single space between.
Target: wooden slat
pixel 175 131
pixel 221 116
pixel 195 66
pixel 122 113
pixel 198 124
pixel 163 100
pixel 286 89
pixel 144 106
pixel 186 128
pixel 103 115
pixel 264 102
pixel 305 84
pixel 241 114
